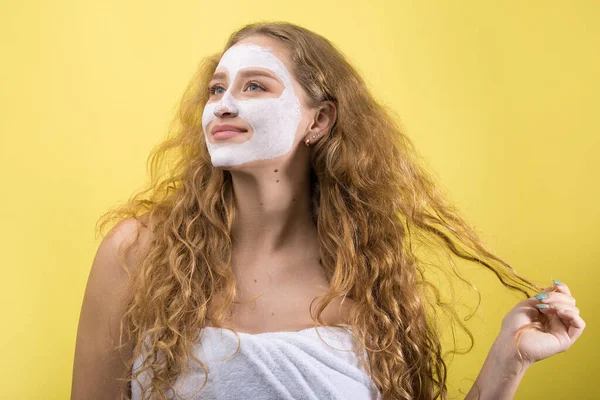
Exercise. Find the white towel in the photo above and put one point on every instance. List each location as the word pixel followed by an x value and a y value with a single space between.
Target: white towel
pixel 275 366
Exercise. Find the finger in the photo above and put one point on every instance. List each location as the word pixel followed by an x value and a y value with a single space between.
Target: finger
pixel 548 289
pixel 562 287
pixel 574 321
pixel 554 308
pixel 555 297
pixel 532 301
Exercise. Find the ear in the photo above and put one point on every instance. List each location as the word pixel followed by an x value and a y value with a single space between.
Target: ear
pixel 325 117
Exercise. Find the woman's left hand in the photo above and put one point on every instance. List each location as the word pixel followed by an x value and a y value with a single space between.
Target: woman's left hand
pixel 565 326
pixel 503 368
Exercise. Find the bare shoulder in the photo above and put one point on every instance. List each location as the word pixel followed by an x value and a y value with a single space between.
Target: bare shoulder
pixel 98 361
pixel 117 256
pixel 131 234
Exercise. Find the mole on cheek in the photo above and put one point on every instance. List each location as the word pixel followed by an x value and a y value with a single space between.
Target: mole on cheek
pixel 255 281
pixel 277 180
pixel 272 313
pixel 276 170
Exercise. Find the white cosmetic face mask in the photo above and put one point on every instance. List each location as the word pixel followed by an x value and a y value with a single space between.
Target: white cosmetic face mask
pixel 274 121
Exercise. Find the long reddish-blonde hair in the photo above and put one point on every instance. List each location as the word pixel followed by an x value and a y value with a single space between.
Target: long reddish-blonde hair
pixel 373 203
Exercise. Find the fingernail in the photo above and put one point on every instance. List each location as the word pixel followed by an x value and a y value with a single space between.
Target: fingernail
pixel 558 283
pixel 541 296
pixel 542 305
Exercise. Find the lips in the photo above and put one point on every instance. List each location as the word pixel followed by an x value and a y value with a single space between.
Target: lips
pixel 221 128
pixel 223 132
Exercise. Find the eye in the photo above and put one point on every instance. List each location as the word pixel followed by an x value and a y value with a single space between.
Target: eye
pixel 213 89
pixel 254 84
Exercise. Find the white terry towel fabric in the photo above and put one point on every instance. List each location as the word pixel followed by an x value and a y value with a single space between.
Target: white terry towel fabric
pixel 275 366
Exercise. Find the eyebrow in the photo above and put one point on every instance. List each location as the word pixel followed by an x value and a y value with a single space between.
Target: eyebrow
pixel 247 73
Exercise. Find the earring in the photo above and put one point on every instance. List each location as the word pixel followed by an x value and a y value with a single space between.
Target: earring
pixel 313 136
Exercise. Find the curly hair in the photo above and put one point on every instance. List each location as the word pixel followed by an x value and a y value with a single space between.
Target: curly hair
pixel 374 206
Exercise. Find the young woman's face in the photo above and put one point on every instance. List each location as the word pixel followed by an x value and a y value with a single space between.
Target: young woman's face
pixel 256 104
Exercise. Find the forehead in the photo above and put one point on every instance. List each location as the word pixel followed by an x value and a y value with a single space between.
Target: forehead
pixel 261 52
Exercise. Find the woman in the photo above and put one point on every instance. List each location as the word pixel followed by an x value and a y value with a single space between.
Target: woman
pixel 293 200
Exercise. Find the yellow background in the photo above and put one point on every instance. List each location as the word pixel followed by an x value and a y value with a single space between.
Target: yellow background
pixel 499 97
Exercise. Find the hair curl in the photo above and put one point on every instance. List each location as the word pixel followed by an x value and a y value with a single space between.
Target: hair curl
pixel 373 204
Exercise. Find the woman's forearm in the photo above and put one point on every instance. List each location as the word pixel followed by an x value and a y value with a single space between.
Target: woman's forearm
pixel 499 377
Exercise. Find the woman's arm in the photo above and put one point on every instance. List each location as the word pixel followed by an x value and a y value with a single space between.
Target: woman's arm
pixel 499 377
pixel 503 369
pixel 97 366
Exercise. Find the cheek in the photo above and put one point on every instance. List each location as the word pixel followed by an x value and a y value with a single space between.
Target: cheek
pixel 270 114
pixel 208 115
pixel 306 116
pixel 260 114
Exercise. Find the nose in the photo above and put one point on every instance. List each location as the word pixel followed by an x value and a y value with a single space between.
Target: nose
pixel 225 111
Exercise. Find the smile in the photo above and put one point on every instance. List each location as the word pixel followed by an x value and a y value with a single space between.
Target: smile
pixel 221 135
